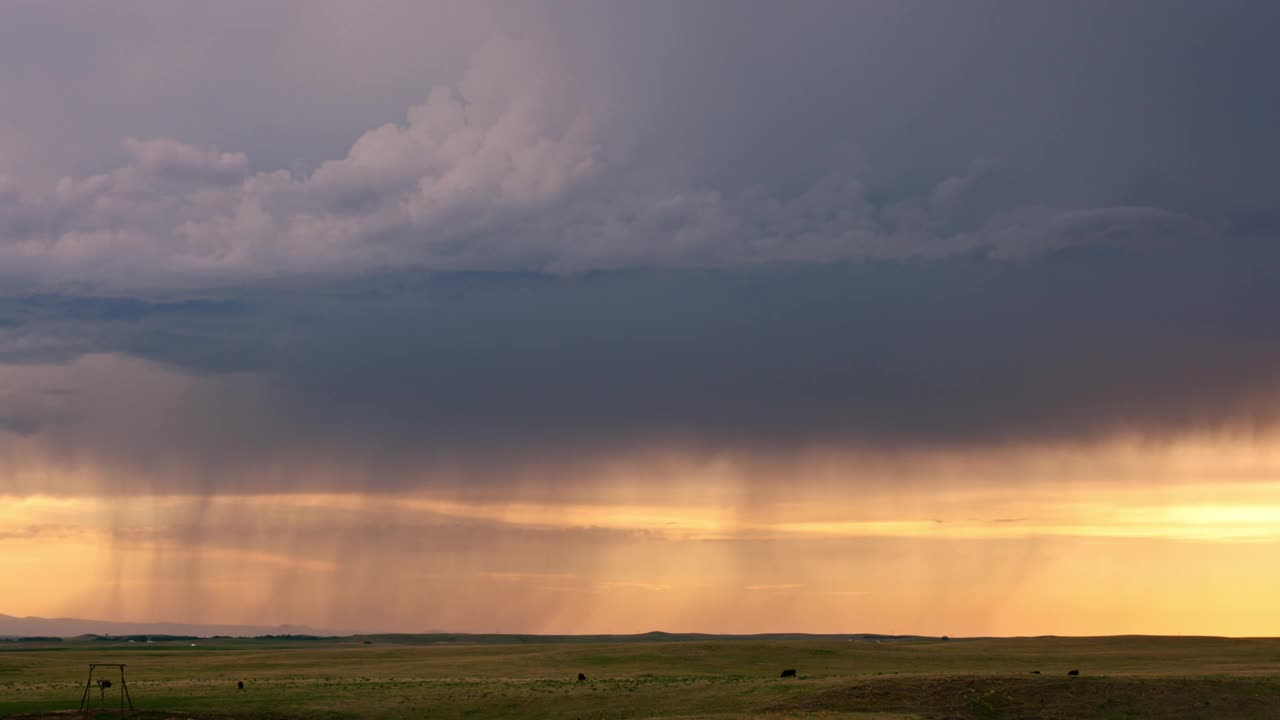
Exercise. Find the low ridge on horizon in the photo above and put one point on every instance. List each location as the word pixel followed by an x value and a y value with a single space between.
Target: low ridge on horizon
pixel 12 627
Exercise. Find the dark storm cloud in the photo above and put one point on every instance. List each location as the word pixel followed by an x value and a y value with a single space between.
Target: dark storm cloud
pixel 403 369
pixel 559 229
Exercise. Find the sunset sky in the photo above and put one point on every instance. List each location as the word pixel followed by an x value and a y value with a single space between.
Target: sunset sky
pixel 903 317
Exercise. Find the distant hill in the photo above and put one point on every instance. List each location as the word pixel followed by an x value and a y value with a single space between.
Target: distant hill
pixel 35 627
pixel 446 638
pixel 12 627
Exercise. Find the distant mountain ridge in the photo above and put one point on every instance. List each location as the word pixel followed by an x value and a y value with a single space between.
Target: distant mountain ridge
pixel 11 626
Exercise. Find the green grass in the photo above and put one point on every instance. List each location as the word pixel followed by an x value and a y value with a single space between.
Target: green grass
pixel 705 678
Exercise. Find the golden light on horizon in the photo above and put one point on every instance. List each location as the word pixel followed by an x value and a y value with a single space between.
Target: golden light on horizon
pixel 732 553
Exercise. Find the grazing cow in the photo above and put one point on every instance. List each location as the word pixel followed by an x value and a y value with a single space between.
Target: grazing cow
pixel 788 673
pixel 1035 672
pixel 581 677
pixel 1073 673
pixel 240 685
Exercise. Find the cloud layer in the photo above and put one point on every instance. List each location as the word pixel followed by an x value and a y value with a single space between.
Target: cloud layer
pixel 481 181
pixel 387 373
pixel 569 138
pixel 612 226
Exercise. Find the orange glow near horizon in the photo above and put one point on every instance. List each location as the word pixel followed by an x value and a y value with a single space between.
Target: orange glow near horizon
pixel 723 553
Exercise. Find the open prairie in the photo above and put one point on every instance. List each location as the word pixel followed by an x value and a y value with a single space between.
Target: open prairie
pixel 656 676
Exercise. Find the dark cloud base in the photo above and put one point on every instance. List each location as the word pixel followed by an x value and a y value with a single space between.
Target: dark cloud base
pixel 966 352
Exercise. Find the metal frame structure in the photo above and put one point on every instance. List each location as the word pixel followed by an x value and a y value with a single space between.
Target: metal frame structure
pixel 124 687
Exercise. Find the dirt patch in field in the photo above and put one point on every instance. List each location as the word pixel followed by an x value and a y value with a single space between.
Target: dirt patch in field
pixel 1052 698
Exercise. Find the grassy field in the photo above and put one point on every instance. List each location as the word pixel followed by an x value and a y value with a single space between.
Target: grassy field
pixel 1123 677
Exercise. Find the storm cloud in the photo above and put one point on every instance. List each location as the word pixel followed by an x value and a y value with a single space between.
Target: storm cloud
pixel 585 227
pixel 400 370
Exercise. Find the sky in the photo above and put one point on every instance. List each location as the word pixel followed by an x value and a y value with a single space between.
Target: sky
pixel 567 317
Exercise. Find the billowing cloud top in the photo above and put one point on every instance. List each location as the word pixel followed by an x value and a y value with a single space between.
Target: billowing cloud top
pixel 578 227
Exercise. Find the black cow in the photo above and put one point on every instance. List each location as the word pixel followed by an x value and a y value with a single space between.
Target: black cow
pixel 581 677
pixel 788 673
pixel 1073 673
pixel 240 685
pixel 1035 672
